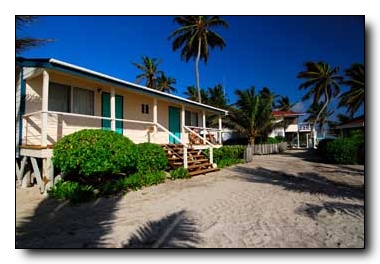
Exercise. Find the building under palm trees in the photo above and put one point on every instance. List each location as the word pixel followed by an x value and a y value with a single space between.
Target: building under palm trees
pixel 287 126
pixel 55 98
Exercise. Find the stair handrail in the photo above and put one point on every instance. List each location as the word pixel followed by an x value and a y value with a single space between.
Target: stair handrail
pixel 185 146
pixel 199 136
pixel 174 152
pixel 171 134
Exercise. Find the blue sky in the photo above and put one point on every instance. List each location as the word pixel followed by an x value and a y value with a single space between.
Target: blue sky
pixel 261 50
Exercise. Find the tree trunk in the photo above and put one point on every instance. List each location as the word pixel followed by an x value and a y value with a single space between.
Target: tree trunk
pixel 251 140
pixel 318 116
pixel 197 70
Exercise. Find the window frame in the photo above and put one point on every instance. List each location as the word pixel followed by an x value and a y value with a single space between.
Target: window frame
pixel 71 97
pixel 194 118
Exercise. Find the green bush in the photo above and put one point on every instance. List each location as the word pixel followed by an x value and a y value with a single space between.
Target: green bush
pixel 280 139
pixel 112 187
pixel 132 182
pixel 72 191
pixel 272 140
pixel 231 152
pixel 226 162
pixel 150 158
pixel 322 146
pixel 342 151
pixel 153 178
pixel 94 153
pixel 179 173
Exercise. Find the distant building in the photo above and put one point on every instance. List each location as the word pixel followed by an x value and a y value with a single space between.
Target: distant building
pixel 356 123
pixel 296 134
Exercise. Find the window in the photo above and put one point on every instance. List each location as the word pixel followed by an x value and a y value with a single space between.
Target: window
pixel 145 109
pixel 83 101
pixel 59 97
pixel 191 118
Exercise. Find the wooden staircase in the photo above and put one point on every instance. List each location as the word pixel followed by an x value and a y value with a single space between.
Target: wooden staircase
pixel 197 163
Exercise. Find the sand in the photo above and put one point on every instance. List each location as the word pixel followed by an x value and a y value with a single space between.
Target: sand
pixel 276 201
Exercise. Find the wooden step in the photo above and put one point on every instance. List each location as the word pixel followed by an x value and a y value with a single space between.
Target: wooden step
pixel 189 157
pixel 199 165
pixel 188 162
pixel 196 156
pixel 204 171
pixel 174 159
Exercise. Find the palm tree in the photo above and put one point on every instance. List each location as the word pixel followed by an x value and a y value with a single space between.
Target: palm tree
pixel 23 43
pixel 217 98
pixel 194 37
pixel 353 98
pixel 165 84
pixel 252 114
pixel 192 94
pixel 267 94
pixel 321 80
pixel 149 69
pixel 283 104
pixel 313 112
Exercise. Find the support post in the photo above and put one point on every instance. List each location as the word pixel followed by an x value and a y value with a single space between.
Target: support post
pixel 49 173
pixel 211 151
pixel 220 131
pixel 113 109
pixel 185 157
pixel 26 177
pixel 20 173
pixel 183 116
pixel 45 104
pixel 307 140
pixel 155 114
pixel 204 126
pixel 37 174
pixel 298 139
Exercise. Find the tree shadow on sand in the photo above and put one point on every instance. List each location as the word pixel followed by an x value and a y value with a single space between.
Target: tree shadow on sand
pixel 309 154
pixel 312 210
pixel 57 224
pixel 176 230
pixel 309 182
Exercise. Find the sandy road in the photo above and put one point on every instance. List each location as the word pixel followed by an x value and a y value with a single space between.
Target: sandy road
pixel 276 201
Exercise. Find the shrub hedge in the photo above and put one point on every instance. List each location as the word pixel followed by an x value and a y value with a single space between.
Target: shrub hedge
pixel 72 191
pixel 227 155
pixel 179 173
pixel 91 152
pixel 150 158
pixel 348 150
pixel 342 151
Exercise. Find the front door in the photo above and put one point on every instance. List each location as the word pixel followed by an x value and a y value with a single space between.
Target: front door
pixel 174 124
pixel 106 111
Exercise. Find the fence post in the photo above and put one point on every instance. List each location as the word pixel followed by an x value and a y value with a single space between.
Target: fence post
pixel 248 154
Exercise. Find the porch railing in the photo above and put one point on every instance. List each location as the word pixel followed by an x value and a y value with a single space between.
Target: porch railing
pixel 33 128
pixel 304 127
pixel 213 135
pixel 203 138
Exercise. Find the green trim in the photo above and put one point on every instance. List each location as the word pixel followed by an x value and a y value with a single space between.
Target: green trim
pixel 174 124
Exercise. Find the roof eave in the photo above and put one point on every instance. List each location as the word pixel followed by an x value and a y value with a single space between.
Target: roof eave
pixel 63 66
